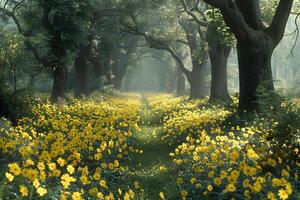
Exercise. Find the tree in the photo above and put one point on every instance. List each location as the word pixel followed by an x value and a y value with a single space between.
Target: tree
pixel 255 44
pixel 213 31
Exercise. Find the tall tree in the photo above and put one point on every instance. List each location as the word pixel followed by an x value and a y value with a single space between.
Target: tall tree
pixel 255 44
pixel 218 47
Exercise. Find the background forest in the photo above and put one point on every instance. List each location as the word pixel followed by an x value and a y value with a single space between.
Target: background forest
pixel 148 99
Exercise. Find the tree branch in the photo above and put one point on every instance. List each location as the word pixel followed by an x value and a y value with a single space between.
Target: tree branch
pixel 180 62
pixel 190 13
pixel 233 18
pixel 278 24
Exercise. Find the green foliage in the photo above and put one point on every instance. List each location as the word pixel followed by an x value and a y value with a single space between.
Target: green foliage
pixel 282 115
pixel 215 19
pixel 14 105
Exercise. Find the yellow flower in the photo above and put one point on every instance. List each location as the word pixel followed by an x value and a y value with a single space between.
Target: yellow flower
pixel 29 162
pixel 41 166
pixel 230 188
pixel 61 162
pixel 285 173
pixel 36 183
pixel 217 181
pixel 14 169
pixel 184 193
pixel 283 194
pixel 52 166
pixel 70 169
pixel 247 193
pixel 161 195
pixel 103 183
pixel 66 180
pixel 76 196
pixel 41 191
pixel 100 196
pixel 193 180
pixel 9 176
pixel 23 190
pixel 271 196
pixel 210 188
pixel 252 154
pixel 179 180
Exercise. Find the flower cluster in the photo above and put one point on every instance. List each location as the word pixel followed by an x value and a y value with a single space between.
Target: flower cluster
pixel 219 161
pixel 77 148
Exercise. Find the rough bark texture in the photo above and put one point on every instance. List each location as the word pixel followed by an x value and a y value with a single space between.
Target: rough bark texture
pixel 255 70
pixel 255 44
pixel 218 53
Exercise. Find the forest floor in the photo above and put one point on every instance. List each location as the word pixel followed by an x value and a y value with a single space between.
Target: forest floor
pixel 154 169
pixel 144 147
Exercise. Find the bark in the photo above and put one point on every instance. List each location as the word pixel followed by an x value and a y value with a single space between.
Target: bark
pixel 81 74
pixel 58 51
pixel 218 53
pixel 59 69
pixel 197 76
pixel 255 45
pixel 172 79
pixel 180 83
pixel 119 71
pixel 59 82
pixel 163 77
pixel 255 71
pixel 118 83
pixel 197 81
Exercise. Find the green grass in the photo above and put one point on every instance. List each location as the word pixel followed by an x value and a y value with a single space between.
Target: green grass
pixel 154 168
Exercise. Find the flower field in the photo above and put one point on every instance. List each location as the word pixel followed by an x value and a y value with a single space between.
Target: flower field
pixel 86 149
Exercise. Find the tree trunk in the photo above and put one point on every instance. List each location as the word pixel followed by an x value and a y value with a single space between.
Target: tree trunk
pixel 59 82
pixel 255 70
pixel 119 72
pixel 172 79
pixel 199 60
pixel 197 81
pixel 180 83
pixel 118 82
pixel 81 74
pixel 60 71
pixel 218 53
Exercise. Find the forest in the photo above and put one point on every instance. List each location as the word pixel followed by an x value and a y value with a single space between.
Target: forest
pixel 149 99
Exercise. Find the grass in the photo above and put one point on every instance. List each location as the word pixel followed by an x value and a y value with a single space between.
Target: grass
pixel 154 168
